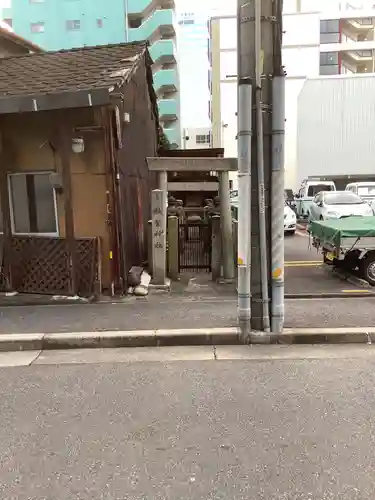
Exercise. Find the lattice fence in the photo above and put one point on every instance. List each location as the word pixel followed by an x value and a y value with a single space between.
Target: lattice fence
pixel 40 264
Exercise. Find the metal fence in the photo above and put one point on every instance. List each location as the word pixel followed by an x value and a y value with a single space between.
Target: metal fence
pixel 195 247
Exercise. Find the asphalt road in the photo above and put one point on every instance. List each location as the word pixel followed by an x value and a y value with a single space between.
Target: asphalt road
pixel 262 429
pixel 305 272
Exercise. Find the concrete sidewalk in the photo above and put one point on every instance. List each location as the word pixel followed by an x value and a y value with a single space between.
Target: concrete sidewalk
pixel 165 312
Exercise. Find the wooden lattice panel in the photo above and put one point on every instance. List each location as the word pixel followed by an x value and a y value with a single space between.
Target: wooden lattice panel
pixel 87 251
pixel 40 264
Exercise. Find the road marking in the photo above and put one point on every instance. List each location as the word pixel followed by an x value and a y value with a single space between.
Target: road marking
pixel 304 234
pixel 304 264
pixel 355 291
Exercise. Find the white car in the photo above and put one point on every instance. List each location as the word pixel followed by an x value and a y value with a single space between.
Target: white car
pixel 338 204
pixel 290 220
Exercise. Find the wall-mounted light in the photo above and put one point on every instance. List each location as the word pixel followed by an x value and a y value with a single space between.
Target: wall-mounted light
pixel 78 145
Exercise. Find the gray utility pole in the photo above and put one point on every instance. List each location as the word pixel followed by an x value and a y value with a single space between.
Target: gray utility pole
pixel 260 29
pixel 244 120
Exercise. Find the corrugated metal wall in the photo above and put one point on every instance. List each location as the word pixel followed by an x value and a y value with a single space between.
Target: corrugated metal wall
pixel 336 126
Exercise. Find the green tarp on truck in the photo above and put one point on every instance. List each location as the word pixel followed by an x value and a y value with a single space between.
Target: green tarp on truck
pixel 332 231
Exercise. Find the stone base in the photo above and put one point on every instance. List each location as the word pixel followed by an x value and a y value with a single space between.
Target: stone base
pixel 166 287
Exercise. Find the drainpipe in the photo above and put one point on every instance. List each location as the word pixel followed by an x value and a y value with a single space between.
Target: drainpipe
pixel 244 204
pixel 277 204
pixel 260 162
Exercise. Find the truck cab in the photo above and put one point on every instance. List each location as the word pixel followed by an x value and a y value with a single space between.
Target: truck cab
pixel 308 190
pixel 365 190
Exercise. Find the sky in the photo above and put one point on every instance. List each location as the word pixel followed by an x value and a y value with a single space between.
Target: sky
pixel 211 7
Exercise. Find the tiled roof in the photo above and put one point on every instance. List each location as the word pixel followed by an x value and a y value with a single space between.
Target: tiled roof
pixel 85 68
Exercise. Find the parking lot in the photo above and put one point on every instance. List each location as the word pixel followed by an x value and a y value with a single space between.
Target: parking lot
pixel 305 272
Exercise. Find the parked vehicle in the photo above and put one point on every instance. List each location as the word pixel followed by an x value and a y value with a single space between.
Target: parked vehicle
pixel 347 242
pixel 309 188
pixel 290 220
pixel 338 204
pixel 366 190
pixel 290 199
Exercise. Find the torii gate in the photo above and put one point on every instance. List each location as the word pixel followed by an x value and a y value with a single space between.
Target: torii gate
pixel 223 166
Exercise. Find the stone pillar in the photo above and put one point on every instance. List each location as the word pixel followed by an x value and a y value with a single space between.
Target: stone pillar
pixel 173 249
pixel 159 242
pixel 163 181
pixel 226 227
pixel 216 248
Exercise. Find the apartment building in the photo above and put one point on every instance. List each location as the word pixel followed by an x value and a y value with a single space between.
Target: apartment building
pixel 63 24
pixel 193 45
pixel 328 42
pixel 196 138
pixel 12 44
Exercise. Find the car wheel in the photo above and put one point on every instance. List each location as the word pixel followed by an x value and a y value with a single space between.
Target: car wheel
pixel 321 217
pixel 367 268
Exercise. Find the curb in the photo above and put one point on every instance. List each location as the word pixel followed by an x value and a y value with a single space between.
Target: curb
pixel 25 302
pixel 352 279
pixel 363 292
pixel 181 337
pixel 112 339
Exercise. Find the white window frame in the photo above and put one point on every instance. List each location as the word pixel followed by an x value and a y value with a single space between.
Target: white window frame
pixel 202 138
pixel 41 172
pixel 73 28
pixel 38 23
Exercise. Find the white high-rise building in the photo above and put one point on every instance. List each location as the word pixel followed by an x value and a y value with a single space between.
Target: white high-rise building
pixel 321 37
pixel 193 38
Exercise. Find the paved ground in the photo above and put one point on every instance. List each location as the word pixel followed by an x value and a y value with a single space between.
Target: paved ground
pixel 199 306
pixel 267 429
pixel 305 271
pixel 162 312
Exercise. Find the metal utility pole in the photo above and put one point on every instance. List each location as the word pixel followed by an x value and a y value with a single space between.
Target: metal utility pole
pixel 260 28
pixel 277 184
pixel 244 116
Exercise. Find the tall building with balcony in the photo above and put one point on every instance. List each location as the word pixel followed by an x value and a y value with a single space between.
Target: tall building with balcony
pixel 338 39
pixel 154 20
pixel 63 24
pixel 194 68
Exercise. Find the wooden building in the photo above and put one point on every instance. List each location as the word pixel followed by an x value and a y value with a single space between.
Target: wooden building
pixel 76 127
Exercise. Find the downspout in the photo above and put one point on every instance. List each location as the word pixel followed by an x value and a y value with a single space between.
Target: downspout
pixel 244 205
pixel 260 169
pixel 277 204
pixel 112 188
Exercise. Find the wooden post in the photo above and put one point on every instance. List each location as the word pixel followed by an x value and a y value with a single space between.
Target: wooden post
pixel 65 151
pixel 5 208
